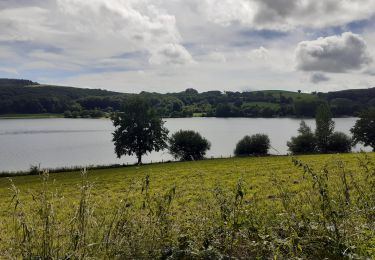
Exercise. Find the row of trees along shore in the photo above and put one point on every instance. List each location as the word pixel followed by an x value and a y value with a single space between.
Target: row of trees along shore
pixel 140 130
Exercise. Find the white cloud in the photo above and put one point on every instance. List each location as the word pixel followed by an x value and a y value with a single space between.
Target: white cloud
pixel 170 54
pixel 21 24
pixel 43 55
pixel 135 45
pixel 88 30
pixel 225 12
pixel 260 53
pixel 370 71
pixel 216 57
pixel 333 54
pixel 6 53
pixel 285 14
pixel 9 70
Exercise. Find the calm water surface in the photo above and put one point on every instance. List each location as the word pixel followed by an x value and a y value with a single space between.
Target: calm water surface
pixel 83 142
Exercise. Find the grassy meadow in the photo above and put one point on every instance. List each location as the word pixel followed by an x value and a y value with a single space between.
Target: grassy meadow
pixel 275 207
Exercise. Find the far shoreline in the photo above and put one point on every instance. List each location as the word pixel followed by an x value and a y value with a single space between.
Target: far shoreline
pixel 54 116
pixel 31 116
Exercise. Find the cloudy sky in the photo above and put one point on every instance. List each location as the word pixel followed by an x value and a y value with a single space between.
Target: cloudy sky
pixel 171 45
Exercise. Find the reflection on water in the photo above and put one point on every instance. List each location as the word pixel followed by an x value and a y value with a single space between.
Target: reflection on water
pixel 72 142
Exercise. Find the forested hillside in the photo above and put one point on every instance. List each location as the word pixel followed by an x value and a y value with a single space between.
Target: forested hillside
pixel 27 97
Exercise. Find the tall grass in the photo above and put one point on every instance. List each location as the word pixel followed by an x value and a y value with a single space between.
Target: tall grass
pixel 332 217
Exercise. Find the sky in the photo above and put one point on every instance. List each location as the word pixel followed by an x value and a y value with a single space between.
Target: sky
pixel 170 45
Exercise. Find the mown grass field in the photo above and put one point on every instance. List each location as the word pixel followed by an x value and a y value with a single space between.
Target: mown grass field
pixel 240 207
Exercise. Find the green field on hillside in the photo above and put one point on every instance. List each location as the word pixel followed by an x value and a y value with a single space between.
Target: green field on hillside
pixel 266 207
pixel 294 95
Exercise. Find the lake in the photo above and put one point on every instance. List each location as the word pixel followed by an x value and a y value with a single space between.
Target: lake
pixel 83 142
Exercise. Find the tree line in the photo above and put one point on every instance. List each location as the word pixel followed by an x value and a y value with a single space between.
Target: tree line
pixel 140 130
pixel 24 97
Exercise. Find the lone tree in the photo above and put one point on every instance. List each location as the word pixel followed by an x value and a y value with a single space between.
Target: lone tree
pixel 257 144
pixel 139 130
pixel 324 127
pixel 188 145
pixel 364 129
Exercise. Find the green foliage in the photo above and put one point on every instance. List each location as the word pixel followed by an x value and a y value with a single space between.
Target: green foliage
pixel 139 130
pixel 364 129
pixel 371 102
pixel 306 107
pixel 26 97
pixel 227 110
pixel 68 114
pixel 188 145
pixel 342 106
pixel 263 109
pixel 95 113
pixel 34 170
pixel 332 207
pixel 325 140
pixel 339 142
pixel 360 98
pixel 257 144
pixel 305 142
pixel 17 82
pixel 324 127
pixel 330 142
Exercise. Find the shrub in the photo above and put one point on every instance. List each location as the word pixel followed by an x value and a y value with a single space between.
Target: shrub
pixel 257 144
pixel 188 145
pixel 304 143
pixel 68 114
pixel 34 170
pixel 339 143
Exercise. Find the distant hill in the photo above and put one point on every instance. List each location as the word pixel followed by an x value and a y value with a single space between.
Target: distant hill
pixel 24 96
pixel 27 87
pixel 19 96
pixel 16 82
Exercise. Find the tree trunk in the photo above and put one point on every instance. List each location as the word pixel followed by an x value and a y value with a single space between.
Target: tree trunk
pixel 139 156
